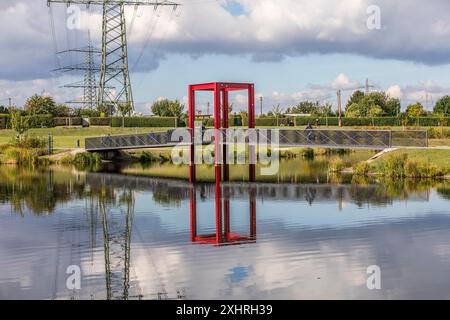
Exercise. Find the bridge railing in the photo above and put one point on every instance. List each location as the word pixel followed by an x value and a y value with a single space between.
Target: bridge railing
pixel 368 139
pixel 372 139
pixel 152 139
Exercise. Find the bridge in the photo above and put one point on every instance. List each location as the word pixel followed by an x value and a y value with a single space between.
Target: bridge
pixel 324 138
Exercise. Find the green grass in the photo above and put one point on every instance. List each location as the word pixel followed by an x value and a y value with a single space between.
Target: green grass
pixel 438 158
pixel 67 137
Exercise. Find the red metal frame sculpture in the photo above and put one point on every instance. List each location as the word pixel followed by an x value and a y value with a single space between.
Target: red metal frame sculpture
pixel 221 121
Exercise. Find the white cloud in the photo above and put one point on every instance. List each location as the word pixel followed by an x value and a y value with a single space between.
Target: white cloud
pixel 344 82
pixel 267 30
pixel 395 91
pixel 427 92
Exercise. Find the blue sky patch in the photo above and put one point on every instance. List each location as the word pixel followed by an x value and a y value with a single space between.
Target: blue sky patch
pixel 235 8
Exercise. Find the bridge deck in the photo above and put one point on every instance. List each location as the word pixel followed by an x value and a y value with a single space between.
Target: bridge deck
pixel 342 139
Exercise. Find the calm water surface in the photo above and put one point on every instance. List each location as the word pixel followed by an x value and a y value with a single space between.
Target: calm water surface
pixel 140 237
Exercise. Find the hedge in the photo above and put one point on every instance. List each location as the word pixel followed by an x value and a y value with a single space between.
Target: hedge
pixel 271 122
pixel 429 121
pixel 35 121
pixel 377 121
pixel 234 121
pixel 66 121
pixel 41 121
pixel 100 121
pixel 167 122
pixel 4 121
pixel 334 121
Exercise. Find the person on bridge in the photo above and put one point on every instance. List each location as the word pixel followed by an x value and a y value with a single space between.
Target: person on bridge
pixel 309 132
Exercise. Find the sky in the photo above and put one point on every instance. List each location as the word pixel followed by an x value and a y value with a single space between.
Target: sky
pixel 293 50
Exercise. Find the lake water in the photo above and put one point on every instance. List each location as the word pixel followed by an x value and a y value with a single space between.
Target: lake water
pixel 140 237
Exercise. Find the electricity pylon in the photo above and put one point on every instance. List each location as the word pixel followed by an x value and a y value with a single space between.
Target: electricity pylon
pixel 89 84
pixel 114 71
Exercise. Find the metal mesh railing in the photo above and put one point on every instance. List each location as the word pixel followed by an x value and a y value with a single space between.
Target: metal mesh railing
pixel 132 141
pixel 372 139
pixel 368 139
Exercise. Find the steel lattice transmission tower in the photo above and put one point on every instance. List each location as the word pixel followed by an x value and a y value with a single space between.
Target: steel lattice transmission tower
pixel 114 71
pixel 89 83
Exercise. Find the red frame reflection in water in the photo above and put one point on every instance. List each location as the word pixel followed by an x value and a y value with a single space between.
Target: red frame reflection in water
pixel 223 235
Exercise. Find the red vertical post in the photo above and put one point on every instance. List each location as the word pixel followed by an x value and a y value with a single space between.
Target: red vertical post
pixel 193 212
pixel 252 197
pixel 251 125
pixel 219 229
pixel 191 123
pixel 218 167
pixel 225 126
pixel 226 213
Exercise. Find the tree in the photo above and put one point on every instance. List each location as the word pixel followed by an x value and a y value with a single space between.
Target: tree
pixel 356 97
pixel 392 107
pixel 167 108
pixel 19 123
pixel 306 107
pixel 443 106
pixel 277 110
pixel 4 110
pixel 415 110
pixel 374 104
pixel 375 111
pixel 124 109
pixel 325 110
pixel 61 110
pixel 40 105
pixel 354 110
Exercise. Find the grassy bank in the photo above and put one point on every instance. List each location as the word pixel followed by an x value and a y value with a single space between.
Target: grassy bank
pixel 18 155
pixel 408 163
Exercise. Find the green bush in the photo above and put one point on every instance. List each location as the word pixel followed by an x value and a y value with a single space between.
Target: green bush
pixel 4 121
pixel 394 166
pixel 362 169
pixel 23 156
pixel 87 159
pixel 438 133
pixel 98 121
pixel 166 122
pixel 412 169
pixel 430 171
pixel 416 170
pixel 31 142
